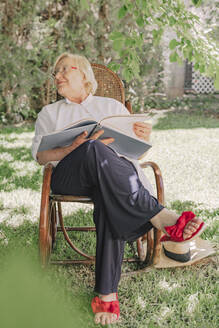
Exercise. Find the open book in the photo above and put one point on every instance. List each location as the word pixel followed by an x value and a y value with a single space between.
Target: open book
pixel 119 127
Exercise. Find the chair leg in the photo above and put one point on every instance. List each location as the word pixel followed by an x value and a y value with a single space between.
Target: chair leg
pixel 45 230
pixel 157 245
pixel 89 257
pixel 150 247
pixel 53 222
pixel 153 237
pixel 141 248
pixel 145 252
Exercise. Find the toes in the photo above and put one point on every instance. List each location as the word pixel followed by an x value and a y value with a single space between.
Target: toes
pixel 97 318
pixel 107 321
pixel 114 317
pixel 187 231
pixel 103 320
pixel 198 220
pixel 191 227
pixel 185 236
pixel 196 223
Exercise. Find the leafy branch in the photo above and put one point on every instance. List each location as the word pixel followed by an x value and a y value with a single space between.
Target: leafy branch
pixel 190 42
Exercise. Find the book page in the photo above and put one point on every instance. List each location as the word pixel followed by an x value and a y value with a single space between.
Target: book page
pixel 124 123
pixel 125 145
pixel 80 124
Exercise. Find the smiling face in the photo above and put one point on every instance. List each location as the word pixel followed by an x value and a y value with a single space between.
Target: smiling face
pixel 69 80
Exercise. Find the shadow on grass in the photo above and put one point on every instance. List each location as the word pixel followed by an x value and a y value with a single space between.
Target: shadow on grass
pixel 18 153
pixel 186 120
pixel 13 181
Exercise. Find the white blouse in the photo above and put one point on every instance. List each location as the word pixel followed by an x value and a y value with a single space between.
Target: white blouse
pixel 58 115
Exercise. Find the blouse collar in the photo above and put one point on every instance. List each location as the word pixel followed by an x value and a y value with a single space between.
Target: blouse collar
pixel 84 102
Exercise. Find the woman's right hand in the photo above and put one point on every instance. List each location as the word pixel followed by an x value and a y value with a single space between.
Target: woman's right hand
pixel 58 154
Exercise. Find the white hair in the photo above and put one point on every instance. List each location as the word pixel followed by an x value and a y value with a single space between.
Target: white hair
pixel 83 64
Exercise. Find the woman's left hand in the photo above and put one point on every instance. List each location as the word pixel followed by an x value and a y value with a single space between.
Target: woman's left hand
pixel 142 130
pixel 97 134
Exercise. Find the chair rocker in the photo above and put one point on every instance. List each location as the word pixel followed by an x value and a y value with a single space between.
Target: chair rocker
pixel 148 246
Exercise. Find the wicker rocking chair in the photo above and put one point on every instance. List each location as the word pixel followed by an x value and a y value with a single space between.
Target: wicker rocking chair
pixel 148 246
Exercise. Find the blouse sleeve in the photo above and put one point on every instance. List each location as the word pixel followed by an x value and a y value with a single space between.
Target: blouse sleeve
pixel 41 129
pixel 121 109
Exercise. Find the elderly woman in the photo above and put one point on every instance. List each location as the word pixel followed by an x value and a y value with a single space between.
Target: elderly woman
pixel 124 207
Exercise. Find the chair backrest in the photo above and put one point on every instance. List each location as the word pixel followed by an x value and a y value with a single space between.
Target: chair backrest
pixel 109 84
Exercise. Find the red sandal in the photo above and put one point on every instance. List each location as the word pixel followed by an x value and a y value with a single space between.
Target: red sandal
pixel 175 231
pixel 100 306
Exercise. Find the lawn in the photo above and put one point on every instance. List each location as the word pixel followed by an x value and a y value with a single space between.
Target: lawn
pixel 185 146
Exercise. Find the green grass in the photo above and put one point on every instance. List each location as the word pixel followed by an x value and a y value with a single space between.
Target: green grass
pixel 26 127
pixel 32 298
pixel 18 153
pixel 144 301
pixel 15 181
pixel 186 120
pixel 85 241
pixel 179 297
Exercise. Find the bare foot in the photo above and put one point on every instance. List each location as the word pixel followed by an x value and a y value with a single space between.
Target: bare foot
pixel 106 318
pixel 191 227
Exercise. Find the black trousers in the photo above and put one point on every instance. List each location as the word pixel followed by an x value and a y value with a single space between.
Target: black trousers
pixel 122 206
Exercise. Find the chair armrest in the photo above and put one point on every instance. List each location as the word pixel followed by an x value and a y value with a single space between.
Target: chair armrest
pixel 158 179
pixel 154 244
pixel 46 187
pixel 47 172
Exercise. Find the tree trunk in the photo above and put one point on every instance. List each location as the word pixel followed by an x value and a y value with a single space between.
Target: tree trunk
pixel 103 30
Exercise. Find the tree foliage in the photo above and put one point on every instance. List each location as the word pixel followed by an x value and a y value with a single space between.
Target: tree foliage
pixel 124 35
pixel 190 42
pixel 35 32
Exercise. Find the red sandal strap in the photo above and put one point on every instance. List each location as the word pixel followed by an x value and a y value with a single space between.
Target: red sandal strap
pixel 100 306
pixel 175 231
